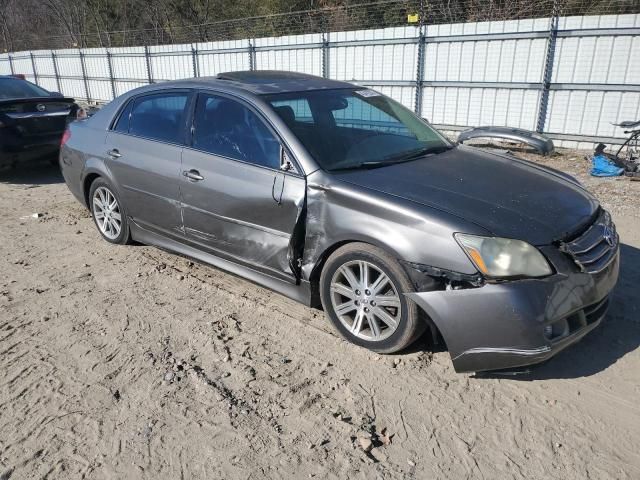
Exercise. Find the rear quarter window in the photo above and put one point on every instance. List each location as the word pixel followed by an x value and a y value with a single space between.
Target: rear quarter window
pixel 122 122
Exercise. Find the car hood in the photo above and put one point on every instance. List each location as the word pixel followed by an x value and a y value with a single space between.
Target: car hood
pixel 509 197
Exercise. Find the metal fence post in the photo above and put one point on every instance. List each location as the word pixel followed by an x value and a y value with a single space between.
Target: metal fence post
pixel 420 66
pixel 325 54
pixel 147 58
pixel 11 64
pixel 84 76
pixel 252 56
pixel 55 70
pixel 194 60
pixel 33 67
pixel 111 79
pixel 548 68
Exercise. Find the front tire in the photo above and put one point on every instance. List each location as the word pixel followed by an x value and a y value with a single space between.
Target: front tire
pixel 362 289
pixel 108 213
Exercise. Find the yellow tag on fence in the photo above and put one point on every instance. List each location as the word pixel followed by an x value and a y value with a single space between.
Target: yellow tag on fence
pixel 413 18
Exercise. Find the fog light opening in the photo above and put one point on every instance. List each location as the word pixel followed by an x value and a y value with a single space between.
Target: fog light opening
pixel 556 330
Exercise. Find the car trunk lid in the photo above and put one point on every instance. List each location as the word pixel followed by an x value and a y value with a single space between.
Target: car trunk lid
pixel 34 117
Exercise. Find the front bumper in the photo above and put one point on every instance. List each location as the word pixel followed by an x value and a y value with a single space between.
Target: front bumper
pixel 502 325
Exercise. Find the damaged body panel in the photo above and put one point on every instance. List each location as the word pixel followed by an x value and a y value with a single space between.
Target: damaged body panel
pixel 508 325
pixel 299 183
pixel 250 215
pixel 541 143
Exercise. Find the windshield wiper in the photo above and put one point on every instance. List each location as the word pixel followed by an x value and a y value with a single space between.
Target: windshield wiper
pixel 413 154
pixel 396 158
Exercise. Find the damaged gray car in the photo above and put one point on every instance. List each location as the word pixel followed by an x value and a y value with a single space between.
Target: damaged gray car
pixel 341 198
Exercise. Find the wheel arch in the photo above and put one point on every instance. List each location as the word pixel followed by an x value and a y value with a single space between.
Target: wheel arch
pixel 436 337
pixel 321 259
pixel 86 187
pixel 94 168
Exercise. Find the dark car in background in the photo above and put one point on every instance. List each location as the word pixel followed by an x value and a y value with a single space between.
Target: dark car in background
pixel 340 197
pixel 32 121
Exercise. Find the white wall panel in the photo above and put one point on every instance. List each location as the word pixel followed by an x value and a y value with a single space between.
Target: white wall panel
pixel 213 60
pixel 48 83
pixel 171 62
pixel 22 64
pixel 44 64
pixel 5 67
pixel 129 63
pixel 69 64
pixel 96 63
pixel 308 60
pixel 481 106
pixel 603 59
pixel 373 62
pixel 72 87
pixel 590 112
pixel 100 90
pixel 124 87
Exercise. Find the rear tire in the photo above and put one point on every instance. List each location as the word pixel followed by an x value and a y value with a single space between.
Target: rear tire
pixel 362 289
pixel 108 213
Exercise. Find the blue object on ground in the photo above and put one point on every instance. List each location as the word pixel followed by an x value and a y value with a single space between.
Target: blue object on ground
pixel 603 167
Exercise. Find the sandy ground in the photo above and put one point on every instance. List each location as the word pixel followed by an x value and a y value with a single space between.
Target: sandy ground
pixel 129 362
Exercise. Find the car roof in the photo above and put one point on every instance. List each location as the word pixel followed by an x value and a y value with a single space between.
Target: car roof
pixel 263 82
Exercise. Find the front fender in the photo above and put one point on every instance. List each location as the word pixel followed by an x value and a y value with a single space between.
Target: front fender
pixel 339 212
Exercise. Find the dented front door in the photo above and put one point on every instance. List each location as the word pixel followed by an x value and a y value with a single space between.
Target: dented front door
pixel 242 211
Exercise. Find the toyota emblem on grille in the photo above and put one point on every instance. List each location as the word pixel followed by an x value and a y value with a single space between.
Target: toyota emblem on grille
pixel 608 236
pixel 40 107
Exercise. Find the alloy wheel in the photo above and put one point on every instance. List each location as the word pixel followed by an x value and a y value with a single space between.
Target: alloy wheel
pixel 365 300
pixel 107 213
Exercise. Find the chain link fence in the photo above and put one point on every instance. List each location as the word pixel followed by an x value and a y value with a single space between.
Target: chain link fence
pixel 351 16
pixel 540 65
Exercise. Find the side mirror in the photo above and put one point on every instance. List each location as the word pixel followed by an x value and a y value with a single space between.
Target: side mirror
pixel 286 165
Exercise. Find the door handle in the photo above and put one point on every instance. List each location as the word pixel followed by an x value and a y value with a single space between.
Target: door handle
pixel 114 153
pixel 193 175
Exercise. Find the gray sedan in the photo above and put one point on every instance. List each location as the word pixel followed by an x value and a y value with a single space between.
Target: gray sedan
pixel 339 197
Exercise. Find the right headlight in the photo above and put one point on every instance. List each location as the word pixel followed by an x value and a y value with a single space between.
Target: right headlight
pixel 504 257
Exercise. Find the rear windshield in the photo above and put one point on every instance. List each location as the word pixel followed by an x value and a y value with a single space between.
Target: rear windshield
pixel 352 128
pixel 16 88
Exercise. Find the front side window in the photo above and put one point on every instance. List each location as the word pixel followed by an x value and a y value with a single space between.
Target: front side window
pixel 225 127
pixel 159 116
pixel 355 128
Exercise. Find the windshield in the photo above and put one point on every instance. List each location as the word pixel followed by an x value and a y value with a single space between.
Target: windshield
pixel 15 88
pixel 356 128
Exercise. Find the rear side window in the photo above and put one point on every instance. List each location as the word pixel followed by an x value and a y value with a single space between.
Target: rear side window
pixel 159 117
pixel 227 128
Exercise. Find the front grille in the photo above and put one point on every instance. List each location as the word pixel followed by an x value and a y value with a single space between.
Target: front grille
pixel 596 248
